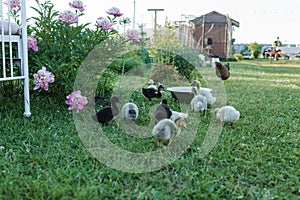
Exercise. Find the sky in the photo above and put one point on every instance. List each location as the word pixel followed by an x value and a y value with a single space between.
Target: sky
pixel 261 21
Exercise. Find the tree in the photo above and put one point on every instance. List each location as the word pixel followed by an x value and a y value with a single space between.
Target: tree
pixel 254 48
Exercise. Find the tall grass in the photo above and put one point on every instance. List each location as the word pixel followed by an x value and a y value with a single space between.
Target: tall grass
pixel 42 157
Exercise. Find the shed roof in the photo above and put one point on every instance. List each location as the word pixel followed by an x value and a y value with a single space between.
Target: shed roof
pixel 214 17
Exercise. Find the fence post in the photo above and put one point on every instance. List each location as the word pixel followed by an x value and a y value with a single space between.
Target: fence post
pixel 27 112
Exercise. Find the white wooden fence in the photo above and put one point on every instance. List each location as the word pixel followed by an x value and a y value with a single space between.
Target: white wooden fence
pixel 14 49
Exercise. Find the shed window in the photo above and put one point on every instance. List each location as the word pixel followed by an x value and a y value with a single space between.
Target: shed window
pixel 209 41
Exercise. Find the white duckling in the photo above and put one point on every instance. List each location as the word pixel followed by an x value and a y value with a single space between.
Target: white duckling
pixel 178 115
pixel 207 93
pixel 227 114
pixel 203 91
pixel 165 130
pixel 199 102
pixel 130 111
pixel 196 87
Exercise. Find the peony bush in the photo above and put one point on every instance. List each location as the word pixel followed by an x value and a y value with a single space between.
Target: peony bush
pixel 60 43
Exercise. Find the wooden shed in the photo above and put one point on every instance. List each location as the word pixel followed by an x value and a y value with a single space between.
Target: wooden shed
pixel 212 34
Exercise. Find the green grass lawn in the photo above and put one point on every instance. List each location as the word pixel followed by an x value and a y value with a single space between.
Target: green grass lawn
pixel 43 157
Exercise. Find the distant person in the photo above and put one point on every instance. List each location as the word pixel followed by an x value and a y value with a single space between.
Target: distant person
pixel 276 51
pixel 277 42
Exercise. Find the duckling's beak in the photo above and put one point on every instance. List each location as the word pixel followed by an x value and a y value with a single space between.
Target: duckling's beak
pixel 183 124
pixel 193 83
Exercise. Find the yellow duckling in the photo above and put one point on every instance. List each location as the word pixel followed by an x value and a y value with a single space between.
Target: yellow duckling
pixel 166 129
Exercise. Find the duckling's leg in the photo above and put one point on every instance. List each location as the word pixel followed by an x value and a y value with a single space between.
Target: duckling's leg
pixel 150 102
pixel 221 123
pixel 217 121
pixel 169 142
pixel 158 143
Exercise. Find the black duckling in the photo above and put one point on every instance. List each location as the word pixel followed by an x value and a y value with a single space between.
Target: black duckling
pixel 222 71
pixel 162 111
pixel 107 113
pixel 151 93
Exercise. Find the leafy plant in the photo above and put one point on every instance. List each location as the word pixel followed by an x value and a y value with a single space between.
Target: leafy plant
pixel 185 61
pixel 106 83
pixel 167 49
pixel 127 62
pixel 238 56
pixel 62 46
pixel 166 74
pixel 254 48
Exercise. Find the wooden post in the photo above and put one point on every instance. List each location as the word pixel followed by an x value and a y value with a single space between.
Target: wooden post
pixel 203 34
pixel 155 17
pixel 133 23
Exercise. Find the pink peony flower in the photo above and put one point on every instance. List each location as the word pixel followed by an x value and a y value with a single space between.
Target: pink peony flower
pixel 134 35
pixel 114 11
pixel 104 23
pixel 76 101
pixel 77 4
pixel 42 79
pixel 31 43
pixel 68 16
pixel 14 4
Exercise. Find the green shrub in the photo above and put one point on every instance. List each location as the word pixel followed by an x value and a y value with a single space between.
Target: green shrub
pixel 254 48
pixel 231 59
pixel 238 56
pixel 184 59
pixel 256 54
pixel 106 83
pixel 167 49
pixel 62 46
pixel 127 62
pixel 166 74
